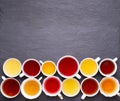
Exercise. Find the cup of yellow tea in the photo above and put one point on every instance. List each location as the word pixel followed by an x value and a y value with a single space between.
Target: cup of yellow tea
pixel 48 68
pixel 70 87
pixel 12 67
pixel 10 87
pixel 89 66
pixel 109 86
pixel 31 88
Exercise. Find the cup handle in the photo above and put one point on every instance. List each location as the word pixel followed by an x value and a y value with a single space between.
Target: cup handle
pixel 4 78
pixel 40 79
pixel 21 75
pixel 41 62
pixel 60 96
pixel 83 96
pixel 97 59
pixel 118 94
pixel 115 59
pixel 78 76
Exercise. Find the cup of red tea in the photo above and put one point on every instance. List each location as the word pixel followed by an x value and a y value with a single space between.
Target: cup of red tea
pixel 68 67
pixel 89 87
pixel 30 68
pixel 10 87
pixel 52 86
pixel 108 67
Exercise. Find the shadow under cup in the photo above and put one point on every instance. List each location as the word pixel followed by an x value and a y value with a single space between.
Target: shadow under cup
pixel 10 88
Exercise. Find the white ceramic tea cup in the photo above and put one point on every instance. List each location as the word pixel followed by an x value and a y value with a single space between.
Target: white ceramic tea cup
pixel 95 61
pixel 116 91
pixel 73 75
pixel 2 84
pixel 71 87
pixel 57 93
pixel 115 66
pixel 24 92
pixel 12 67
pixel 52 72
pixel 23 71
pixel 89 95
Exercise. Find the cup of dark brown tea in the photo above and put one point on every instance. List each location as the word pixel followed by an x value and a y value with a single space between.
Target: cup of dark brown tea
pixel 10 87
pixel 89 87
pixel 108 67
pixel 31 68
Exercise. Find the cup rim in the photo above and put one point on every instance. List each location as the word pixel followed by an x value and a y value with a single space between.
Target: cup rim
pixel 69 56
pixel 115 92
pixel 76 92
pixel 90 95
pixel 7 61
pixel 114 71
pixel 93 73
pixel 26 95
pixel 51 62
pixel 27 61
pixel 49 94
pixel 5 95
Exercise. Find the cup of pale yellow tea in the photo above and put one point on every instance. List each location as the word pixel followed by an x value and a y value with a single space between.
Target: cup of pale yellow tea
pixel 12 67
pixel 48 68
pixel 89 66
pixel 10 87
pixel 109 86
pixel 70 87
pixel 31 88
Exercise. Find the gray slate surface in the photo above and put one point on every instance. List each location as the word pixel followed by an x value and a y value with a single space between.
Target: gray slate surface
pixel 49 29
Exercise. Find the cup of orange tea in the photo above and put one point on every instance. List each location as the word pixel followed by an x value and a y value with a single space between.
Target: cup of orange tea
pixel 10 87
pixel 70 87
pixel 12 67
pixel 109 86
pixel 31 88
pixel 89 66
pixel 48 68
pixel 108 66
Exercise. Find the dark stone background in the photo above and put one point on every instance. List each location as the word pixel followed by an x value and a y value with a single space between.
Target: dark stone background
pixel 49 29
